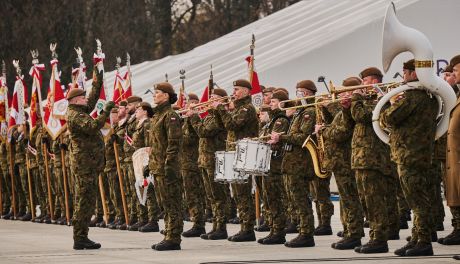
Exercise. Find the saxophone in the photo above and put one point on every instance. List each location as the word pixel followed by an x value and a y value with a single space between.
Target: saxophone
pixel 316 149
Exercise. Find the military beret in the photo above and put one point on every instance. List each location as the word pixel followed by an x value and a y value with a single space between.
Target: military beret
pixel 369 72
pixel 165 87
pixel 448 68
pixel 219 91
pixel 409 65
pixel 307 84
pixel 242 83
pixel 72 93
pixel 351 81
pixel 280 95
pixel 455 60
pixel 114 110
pixel 192 96
pixel 134 99
pixel 282 89
pixel 268 90
pixel 262 87
pixel 147 107
pixel 123 103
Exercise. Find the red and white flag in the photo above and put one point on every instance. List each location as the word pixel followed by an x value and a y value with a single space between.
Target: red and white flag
pixel 98 60
pixel 128 90
pixel 256 91
pixel 17 116
pixel 35 100
pixel 56 106
pixel 3 108
pixel 79 77
pixel 118 91
pixel 204 98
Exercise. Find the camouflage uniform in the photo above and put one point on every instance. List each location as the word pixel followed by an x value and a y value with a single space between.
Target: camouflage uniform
pixel 439 170
pixel 21 183
pixel 59 203
pixel 241 123
pixel 337 143
pixel 191 178
pixel 42 143
pixel 36 177
pixel 87 158
pixel 5 178
pixel 412 124
pixel 370 160
pixel 128 170
pixel 165 143
pixel 297 167
pixel 212 136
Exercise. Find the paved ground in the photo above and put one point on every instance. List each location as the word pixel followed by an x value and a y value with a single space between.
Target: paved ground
pixel 40 243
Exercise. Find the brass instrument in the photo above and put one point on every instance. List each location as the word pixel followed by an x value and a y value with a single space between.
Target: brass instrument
pixel 203 107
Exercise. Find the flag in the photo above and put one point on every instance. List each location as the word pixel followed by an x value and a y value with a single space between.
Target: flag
pixel 256 91
pixel 204 98
pixel 118 91
pixel 181 100
pixel 17 116
pixel 99 63
pixel 128 90
pixel 35 102
pixel 56 105
pixel 79 76
pixel 3 109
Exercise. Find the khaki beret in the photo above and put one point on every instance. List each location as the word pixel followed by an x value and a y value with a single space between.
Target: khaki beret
pixel 454 61
pixel 351 81
pixel 192 96
pixel 280 95
pixel 123 103
pixel 448 68
pixel 242 83
pixel 409 65
pixel 282 89
pixel 165 87
pixel 369 72
pixel 114 110
pixel 268 90
pixel 72 93
pixel 307 84
pixel 219 91
pixel 134 99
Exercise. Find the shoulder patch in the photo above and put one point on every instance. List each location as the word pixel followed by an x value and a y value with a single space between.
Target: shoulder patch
pixel 306 117
pixel 245 109
pixel 278 122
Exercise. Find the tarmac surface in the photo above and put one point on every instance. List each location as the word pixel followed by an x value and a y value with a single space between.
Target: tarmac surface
pixel 26 242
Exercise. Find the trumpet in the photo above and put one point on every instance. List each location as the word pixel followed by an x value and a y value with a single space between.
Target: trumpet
pixel 336 90
pixel 203 107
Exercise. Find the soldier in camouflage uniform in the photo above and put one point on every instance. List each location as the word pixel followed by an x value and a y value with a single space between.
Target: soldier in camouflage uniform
pixel 165 144
pixel 337 143
pixel 191 178
pixel 321 194
pixel 212 136
pixel 36 177
pixel 411 119
pixel 57 147
pixel 87 156
pixel 272 184
pixel 297 165
pixel 5 178
pixel 241 123
pixel 42 142
pixel 21 184
pixel 371 163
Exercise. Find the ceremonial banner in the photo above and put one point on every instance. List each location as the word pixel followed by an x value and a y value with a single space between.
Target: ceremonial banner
pixel 140 160
pixel 128 90
pixel 204 98
pixel 118 91
pixel 3 105
pixel 79 74
pixel 98 60
pixel 256 92
pixel 56 105
pixel 35 107
pixel 17 116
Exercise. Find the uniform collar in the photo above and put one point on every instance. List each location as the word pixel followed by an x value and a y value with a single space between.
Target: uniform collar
pixel 163 107
pixel 243 101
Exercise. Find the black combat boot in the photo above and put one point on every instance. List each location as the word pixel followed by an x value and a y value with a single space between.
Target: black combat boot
pixel 46 220
pixel 166 245
pixel 347 243
pixel 151 226
pixel 195 231
pixel 403 223
pixel 114 224
pixel 291 228
pixel 420 249
pixel 301 241
pixel 122 226
pixel 86 244
pixel 324 230
pixel 20 215
pixel 136 226
pixel 218 234
pixel 393 236
pixel 8 215
pixel 456 257
pixel 243 236
pixel 366 224
pixel 402 251
pixel 274 239
pixel 94 221
pixel 440 226
pixel 38 219
pixel 262 228
pixel 261 240
pixel 374 246
pixel 340 234
pixel 26 217
pixel 451 239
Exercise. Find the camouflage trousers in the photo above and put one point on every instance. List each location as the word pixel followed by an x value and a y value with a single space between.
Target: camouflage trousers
pixel 403 207
pixel 265 213
pixel 44 187
pixel 194 196
pixel 152 210
pixel 351 214
pixel 439 169
pixel 455 217
pixel 108 201
pixel 131 197
pixel 290 211
pixel 39 195
pixel 22 188
pixel 6 188
pixel 392 204
pixel 115 194
pixel 272 186
pixel 321 195
pixel 59 202
pixel 418 189
pixel 298 192
pixel 242 192
pixel 86 193
pixel 169 190
pixel 217 193
pixel 374 184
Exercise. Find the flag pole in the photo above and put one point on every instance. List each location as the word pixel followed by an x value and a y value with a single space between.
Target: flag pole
pixel 64 175
pixel 120 180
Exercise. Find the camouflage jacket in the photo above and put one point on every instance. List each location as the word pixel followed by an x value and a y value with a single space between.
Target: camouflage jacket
pixel 20 148
pixel 240 123
pixel 212 137
pixel 141 134
pixel 368 152
pixel 165 141
pixel 87 143
pixel 440 147
pixel 412 123
pixel 130 128
pixel 120 132
pixel 110 164
pixel 3 155
pixel 42 143
pixel 190 146
pixel 296 159
pixel 66 141
pixel 279 123
pixel 32 142
pixel 56 150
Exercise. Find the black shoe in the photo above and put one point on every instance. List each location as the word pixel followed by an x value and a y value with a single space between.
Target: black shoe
pixel 451 239
pixel 262 228
pixel 19 216
pixel 261 240
pixel 403 224
pixel 136 226
pixel 291 229
pixel 340 234
pixel 166 245
pixel 217 235
pixel 374 246
pixel 194 232
pixel 323 231
pixel 37 219
pixel 457 257
pixel 151 226
pixel 123 226
pixel 393 236
pixel 86 244
pixel 244 236
pixel 440 227
pixel 420 249
pixel 407 216
pixel 114 224
pixel 277 238
pixel 101 224
pixel 96 220
pixel 347 243
pixel 235 220
pixel 205 236
pixel 7 216
pixel 26 217
pixel 402 251
pixel 301 241
pixel 46 220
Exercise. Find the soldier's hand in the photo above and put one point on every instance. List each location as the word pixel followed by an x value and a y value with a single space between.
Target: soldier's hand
pixel 318 127
pixel 108 106
pixel 274 138
pixel 63 146
pixel 44 140
pixel 114 138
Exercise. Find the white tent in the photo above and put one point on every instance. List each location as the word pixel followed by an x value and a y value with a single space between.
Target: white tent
pixel 334 38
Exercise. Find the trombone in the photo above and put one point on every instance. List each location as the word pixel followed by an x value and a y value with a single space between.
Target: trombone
pixel 382 87
pixel 204 106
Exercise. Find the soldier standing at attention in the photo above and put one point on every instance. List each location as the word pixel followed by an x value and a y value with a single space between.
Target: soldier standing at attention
pixel 165 145
pixel 87 156
pixel 241 123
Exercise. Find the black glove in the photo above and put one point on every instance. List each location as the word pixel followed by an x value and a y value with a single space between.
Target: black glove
pixel 63 146
pixel 114 138
pixel 44 140
pixel 108 106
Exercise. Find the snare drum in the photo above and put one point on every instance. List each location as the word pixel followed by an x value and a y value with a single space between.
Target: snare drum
pixel 252 157
pixel 224 171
